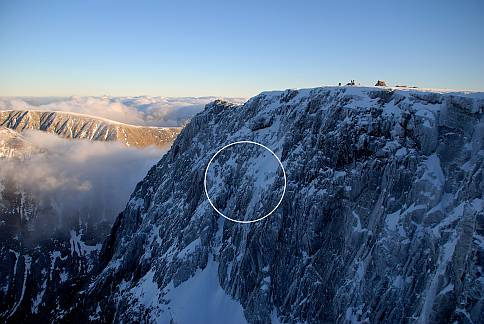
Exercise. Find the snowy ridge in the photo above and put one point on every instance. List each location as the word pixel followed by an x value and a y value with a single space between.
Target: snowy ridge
pixel 86 116
pixel 80 126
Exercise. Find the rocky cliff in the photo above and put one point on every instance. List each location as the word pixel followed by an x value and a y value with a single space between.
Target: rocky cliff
pixel 382 219
pixel 78 126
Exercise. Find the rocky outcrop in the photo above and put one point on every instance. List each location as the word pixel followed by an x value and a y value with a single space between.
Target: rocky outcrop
pixel 380 83
pixel 77 126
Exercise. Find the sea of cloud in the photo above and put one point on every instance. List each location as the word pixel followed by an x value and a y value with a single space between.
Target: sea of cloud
pixel 79 178
pixel 142 110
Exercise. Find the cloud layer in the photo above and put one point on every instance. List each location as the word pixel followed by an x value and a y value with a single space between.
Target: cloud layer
pixel 150 111
pixel 79 178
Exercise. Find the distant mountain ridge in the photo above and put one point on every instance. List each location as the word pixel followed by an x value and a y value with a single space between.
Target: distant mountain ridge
pixel 79 126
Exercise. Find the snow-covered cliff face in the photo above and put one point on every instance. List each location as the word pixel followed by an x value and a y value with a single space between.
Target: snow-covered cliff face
pixel 78 126
pixel 382 218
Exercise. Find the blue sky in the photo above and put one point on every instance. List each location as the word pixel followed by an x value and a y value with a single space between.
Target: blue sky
pixel 235 48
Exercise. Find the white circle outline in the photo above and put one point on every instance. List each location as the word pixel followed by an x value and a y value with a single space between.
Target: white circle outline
pixel 244 221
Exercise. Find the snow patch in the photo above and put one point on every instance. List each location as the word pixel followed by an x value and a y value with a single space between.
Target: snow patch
pixel 200 299
pixel 79 247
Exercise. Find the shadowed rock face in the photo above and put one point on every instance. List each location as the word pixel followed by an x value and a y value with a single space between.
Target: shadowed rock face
pixel 77 126
pixel 382 219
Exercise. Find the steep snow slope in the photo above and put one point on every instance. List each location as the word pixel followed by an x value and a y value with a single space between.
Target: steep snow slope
pixel 78 126
pixel 382 219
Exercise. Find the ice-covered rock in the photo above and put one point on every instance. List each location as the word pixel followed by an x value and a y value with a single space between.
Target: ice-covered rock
pixel 382 218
